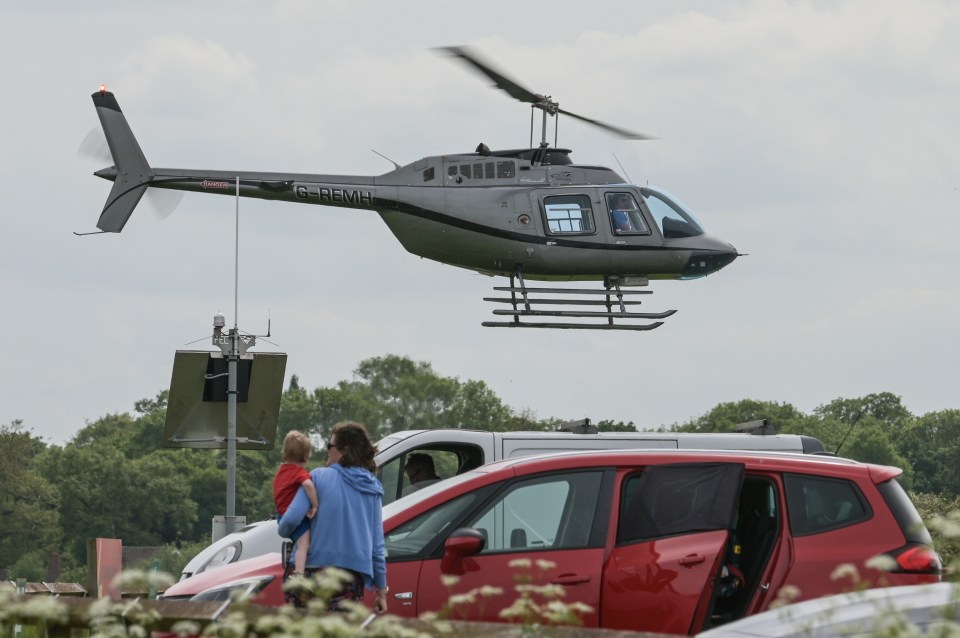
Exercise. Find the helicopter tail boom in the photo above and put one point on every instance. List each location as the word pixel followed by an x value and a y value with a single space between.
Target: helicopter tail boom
pixel 131 175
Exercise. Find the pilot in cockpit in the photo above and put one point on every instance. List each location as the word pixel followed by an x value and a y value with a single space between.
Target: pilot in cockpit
pixel 621 206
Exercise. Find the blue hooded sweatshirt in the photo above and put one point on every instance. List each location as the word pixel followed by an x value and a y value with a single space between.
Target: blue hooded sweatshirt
pixel 347 531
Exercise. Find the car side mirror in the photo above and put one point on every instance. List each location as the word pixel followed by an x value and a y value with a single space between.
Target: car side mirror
pixel 461 543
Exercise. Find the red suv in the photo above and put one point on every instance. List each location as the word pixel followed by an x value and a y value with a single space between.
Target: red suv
pixel 661 541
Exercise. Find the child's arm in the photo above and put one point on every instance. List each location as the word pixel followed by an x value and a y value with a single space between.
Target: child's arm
pixel 311 491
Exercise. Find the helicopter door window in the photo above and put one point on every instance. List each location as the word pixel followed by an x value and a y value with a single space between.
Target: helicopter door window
pixel 478 171
pixel 465 170
pixel 489 170
pixel 569 215
pixel 625 215
pixel 452 171
pixel 506 170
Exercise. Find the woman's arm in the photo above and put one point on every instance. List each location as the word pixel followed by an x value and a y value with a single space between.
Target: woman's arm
pixel 294 514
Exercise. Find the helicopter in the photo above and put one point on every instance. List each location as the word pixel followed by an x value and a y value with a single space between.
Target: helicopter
pixel 530 214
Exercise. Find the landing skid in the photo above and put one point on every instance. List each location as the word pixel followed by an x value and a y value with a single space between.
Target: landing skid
pixel 522 299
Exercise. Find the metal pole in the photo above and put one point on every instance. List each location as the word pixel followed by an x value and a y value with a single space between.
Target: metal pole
pixel 232 363
pixel 232 430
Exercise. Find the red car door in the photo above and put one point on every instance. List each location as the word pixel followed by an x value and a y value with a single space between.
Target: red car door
pixel 542 530
pixel 673 529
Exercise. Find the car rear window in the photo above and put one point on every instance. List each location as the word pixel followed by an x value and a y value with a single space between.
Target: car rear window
pixel 906 514
pixel 817 504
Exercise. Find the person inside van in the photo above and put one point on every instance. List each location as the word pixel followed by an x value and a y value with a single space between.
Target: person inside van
pixel 420 471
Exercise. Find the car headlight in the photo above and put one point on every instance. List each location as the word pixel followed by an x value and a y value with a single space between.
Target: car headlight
pixel 224 556
pixel 235 590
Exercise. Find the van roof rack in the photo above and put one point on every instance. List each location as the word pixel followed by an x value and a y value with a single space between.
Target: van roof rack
pixel 761 426
pixel 583 426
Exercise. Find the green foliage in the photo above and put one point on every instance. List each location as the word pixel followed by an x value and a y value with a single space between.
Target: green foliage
pixel 871 444
pixel 29 501
pixel 726 416
pixel 171 559
pixel 946 539
pixel 31 565
pixel 619 426
pixel 932 446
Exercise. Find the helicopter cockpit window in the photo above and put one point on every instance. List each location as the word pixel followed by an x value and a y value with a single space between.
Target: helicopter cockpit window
pixel 674 219
pixel 506 170
pixel 569 215
pixel 625 215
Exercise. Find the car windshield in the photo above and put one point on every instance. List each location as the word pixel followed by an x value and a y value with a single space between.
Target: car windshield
pixel 675 219
pixel 388 442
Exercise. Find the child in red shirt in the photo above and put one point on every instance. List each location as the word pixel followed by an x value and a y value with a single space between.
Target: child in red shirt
pixel 290 477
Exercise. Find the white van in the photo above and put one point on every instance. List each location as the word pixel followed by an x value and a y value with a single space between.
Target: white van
pixel 458 451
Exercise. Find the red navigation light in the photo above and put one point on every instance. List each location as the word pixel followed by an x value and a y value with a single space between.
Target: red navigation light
pixel 103 89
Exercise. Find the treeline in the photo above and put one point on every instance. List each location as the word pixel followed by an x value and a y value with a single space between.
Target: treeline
pixel 114 480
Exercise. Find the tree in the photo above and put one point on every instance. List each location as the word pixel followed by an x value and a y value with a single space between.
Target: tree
pixel 870 444
pixel 393 393
pixel 298 411
pixel 932 446
pixel 476 406
pixel 143 501
pixel 411 394
pixel 619 426
pixel 29 503
pixel 726 416
pixel 886 409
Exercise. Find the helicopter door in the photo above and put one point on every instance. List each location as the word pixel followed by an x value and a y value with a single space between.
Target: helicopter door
pixel 570 223
pixel 629 228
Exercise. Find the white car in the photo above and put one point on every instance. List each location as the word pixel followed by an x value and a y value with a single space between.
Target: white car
pixel 887 611
pixel 255 539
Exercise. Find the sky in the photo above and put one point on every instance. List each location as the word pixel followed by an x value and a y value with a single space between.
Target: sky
pixel 819 138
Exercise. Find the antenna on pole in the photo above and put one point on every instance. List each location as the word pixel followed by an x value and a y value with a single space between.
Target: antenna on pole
pixel 203 381
pixel 233 347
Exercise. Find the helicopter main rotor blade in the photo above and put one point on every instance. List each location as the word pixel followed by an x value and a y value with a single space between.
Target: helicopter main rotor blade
pixel 616 130
pixel 523 94
pixel 499 79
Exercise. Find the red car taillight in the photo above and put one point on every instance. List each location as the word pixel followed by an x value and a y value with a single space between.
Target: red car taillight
pixel 917 559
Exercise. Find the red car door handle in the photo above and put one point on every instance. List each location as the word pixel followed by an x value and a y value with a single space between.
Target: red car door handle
pixel 691 560
pixel 569 579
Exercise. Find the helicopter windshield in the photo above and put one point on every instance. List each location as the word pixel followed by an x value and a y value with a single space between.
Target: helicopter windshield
pixel 675 219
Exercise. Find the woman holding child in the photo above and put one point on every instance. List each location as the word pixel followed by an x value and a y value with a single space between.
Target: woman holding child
pixel 347 530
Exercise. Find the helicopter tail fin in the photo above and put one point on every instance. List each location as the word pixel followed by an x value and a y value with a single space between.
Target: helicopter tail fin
pixel 131 174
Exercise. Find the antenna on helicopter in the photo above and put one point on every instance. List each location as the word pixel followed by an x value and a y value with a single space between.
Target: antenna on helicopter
pixel 386 158
pixel 622 168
